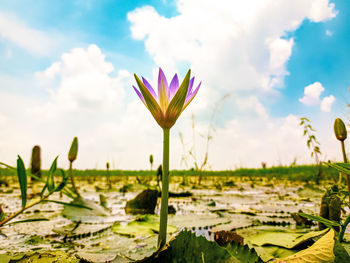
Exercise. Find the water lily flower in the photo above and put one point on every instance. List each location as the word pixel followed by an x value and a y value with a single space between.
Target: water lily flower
pixel 166 107
pixel 171 100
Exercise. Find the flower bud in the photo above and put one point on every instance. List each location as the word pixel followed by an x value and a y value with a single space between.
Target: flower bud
pixel 73 151
pixel 340 129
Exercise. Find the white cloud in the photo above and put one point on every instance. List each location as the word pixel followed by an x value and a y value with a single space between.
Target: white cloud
pixel 17 32
pixel 84 82
pixel 252 104
pixel 243 51
pixel 312 94
pixel 243 48
pixel 280 51
pixel 327 102
pixel 322 10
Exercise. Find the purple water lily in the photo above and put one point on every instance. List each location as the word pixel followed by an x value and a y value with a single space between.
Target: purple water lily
pixel 166 107
pixel 171 100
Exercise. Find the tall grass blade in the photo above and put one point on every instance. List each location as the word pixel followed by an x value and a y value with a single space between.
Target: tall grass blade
pixel 50 179
pixel 22 178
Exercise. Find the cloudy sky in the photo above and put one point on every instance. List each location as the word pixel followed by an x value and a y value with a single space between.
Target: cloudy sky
pixel 67 70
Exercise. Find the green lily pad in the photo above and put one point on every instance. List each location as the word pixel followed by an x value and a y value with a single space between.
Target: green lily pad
pixel 143 226
pixel 320 252
pixel 40 257
pixel 270 252
pixel 286 238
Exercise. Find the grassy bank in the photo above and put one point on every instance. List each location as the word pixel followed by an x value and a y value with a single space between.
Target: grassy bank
pixel 294 173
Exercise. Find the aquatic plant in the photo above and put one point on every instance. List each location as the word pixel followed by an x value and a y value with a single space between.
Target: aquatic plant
pixel 166 107
pixel 36 162
pixel 151 161
pixel 191 153
pixel 313 145
pixel 48 189
pixel 72 156
pixel 341 135
pixel 108 176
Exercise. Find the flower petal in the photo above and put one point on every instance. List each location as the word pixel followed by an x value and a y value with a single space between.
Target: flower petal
pixel 163 90
pixel 190 97
pixel 190 86
pixel 149 87
pixel 174 86
pixel 175 107
pixel 151 102
pixel 140 95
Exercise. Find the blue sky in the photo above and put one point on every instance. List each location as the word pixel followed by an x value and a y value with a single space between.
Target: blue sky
pixel 67 71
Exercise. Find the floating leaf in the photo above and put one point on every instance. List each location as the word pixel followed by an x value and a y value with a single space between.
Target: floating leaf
pixel 47 257
pixel 22 178
pixel 320 252
pixel 76 213
pixel 143 226
pixel 282 238
pixel 69 204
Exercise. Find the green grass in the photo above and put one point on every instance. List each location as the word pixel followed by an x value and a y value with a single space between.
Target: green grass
pixel 293 173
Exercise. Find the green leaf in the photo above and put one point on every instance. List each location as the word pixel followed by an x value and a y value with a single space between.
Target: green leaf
pixel 282 238
pixel 96 213
pixel 29 220
pixel 341 255
pixel 187 247
pixel 63 183
pixel 7 166
pixel 142 226
pixel 69 204
pixel 320 251
pixel 328 223
pixel 341 167
pixel 22 178
pixel 36 178
pixel 243 253
pixel 50 177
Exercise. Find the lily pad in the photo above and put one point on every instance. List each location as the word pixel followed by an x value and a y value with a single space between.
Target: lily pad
pixel 270 252
pixel 320 252
pixel 100 257
pixel 40 257
pixel 96 213
pixel 143 226
pixel 282 238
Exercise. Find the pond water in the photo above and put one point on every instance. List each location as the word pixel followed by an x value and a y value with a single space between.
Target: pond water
pixel 229 204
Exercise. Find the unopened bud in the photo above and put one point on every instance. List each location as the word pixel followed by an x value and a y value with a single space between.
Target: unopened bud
pixel 73 151
pixel 340 129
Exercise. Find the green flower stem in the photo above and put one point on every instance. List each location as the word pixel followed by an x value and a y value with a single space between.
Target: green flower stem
pixel 165 190
pixel 345 161
pixel 72 179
